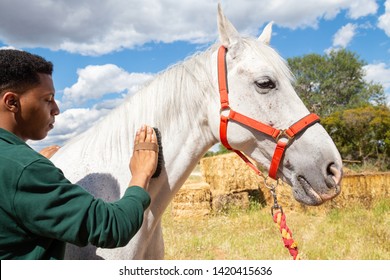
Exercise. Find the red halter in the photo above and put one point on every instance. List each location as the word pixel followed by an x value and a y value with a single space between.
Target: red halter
pixel 276 134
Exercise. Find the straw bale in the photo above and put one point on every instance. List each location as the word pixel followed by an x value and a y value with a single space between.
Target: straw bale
pixel 193 199
pixel 228 174
pixel 365 188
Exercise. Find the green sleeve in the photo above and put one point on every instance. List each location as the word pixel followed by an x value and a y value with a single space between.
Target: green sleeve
pixel 47 204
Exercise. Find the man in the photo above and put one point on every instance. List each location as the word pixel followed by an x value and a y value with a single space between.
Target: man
pixel 40 210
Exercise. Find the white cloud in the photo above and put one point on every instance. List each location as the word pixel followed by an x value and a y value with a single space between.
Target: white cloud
pixel 73 121
pixel 384 20
pixel 7 48
pixel 299 14
pixel 69 124
pixel 379 73
pixel 97 27
pixel 96 81
pixel 361 8
pixel 344 35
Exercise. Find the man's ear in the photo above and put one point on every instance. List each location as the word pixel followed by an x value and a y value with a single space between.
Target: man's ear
pixel 11 101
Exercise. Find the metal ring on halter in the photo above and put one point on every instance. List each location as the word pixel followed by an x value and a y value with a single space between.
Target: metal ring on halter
pixel 224 109
pixel 272 187
pixel 283 134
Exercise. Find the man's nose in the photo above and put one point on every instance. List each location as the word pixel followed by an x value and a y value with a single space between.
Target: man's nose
pixel 56 109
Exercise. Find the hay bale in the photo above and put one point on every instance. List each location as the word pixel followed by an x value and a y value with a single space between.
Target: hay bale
pixel 364 188
pixel 192 200
pixel 228 174
pixel 227 201
pixel 231 180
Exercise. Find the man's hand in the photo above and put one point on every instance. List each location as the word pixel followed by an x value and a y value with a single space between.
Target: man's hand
pixel 48 152
pixel 143 163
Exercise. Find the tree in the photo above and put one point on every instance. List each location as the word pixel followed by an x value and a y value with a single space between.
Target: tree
pixel 333 82
pixel 362 134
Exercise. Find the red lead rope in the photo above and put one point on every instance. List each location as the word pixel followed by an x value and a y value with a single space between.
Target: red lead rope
pixel 280 219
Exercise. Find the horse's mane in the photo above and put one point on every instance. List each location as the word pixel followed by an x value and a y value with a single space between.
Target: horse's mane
pixel 175 95
pixel 169 101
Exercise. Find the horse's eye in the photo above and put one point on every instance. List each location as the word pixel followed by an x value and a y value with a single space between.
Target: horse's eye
pixel 265 84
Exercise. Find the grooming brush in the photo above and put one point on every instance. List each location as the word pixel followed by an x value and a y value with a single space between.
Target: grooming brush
pixel 160 161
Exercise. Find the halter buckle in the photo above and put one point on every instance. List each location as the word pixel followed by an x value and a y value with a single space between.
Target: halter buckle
pixel 283 135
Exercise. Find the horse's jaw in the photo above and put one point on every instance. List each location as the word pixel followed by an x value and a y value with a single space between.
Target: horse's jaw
pixel 313 179
pixel 313 169
pixel 305 193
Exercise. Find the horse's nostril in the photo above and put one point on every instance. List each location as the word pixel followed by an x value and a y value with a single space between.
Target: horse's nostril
pixel 334 174
pixel 329 168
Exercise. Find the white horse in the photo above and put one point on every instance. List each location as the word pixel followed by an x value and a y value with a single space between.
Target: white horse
pixel 184 103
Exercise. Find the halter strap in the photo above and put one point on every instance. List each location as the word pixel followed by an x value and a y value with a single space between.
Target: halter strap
pixel 282 137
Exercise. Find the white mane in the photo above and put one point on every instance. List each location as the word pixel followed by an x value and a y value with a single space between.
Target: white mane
pixel 186 86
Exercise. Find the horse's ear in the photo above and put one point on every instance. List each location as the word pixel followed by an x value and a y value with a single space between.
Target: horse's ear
pixel 265 36
pixel 228 35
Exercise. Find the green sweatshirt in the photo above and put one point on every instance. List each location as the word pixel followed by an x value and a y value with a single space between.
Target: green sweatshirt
pixel 40 210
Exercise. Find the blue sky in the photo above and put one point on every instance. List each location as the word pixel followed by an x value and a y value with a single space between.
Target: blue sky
pixel 104 50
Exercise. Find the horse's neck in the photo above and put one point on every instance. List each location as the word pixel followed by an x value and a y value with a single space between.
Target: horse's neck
pixel 188 135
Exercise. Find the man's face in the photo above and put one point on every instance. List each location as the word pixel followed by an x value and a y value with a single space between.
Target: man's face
pixel 37 110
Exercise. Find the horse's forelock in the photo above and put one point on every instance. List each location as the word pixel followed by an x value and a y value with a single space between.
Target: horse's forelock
pixel 271 56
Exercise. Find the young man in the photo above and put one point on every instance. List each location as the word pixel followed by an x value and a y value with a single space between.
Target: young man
pixel 40 210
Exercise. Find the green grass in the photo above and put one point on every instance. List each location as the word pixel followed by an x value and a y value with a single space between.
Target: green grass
pixel 354 233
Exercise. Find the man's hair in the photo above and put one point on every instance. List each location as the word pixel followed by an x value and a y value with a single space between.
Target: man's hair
pixel 19 70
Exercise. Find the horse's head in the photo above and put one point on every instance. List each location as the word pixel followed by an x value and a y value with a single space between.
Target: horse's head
pixel 259 86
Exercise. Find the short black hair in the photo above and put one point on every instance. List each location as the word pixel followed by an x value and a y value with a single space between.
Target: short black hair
pixel 19 70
